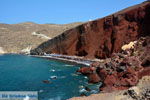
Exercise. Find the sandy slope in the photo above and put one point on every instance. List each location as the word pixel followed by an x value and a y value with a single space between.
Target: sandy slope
pixel 16 37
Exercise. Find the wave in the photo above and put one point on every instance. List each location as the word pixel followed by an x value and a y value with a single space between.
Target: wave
pixel 52 70
pixel 93 91
pixel 68 65
pixel 73 59
pixel 82 90
pixel 53 77
pixel 74 74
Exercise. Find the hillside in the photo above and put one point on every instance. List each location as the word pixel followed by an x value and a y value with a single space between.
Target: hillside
pixel 16 37
pixel 102 37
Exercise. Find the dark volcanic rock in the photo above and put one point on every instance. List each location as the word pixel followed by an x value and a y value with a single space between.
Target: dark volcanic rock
pixel 102 73
pixel 94 78
pixel 86 70
pixel 87 89
pixel 102 37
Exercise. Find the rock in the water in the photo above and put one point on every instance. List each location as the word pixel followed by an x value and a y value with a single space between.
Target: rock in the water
pixel 87 89
pixel 46 81
pixel 82 94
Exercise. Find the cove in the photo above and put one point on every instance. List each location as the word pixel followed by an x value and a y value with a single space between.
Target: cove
pixel 26 73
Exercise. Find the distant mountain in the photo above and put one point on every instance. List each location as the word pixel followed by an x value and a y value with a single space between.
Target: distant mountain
pixel 17 37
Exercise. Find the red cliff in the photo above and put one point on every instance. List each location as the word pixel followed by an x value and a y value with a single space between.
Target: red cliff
pixel 102 37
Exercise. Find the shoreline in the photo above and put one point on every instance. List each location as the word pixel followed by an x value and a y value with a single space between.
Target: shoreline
pixel 65 58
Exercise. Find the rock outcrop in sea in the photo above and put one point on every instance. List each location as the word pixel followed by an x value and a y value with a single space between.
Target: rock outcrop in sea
pixel 102 37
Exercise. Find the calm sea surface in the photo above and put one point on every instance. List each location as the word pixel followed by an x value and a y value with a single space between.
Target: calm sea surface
pixel 25 73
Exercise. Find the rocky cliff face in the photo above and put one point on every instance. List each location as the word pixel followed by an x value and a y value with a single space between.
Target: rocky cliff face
pixel 102 37
pixel 122 70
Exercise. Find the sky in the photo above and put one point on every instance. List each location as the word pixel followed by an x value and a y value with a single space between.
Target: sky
pixel 59 11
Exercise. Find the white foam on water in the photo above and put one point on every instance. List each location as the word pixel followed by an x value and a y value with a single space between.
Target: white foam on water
pixel 74 74
pixel 52 70
pixel 53 77
pixel 81 86
pixel 27 98
pixel 82 90
pixel 67 58
pixel 93 91
pixel 85 77
pixel 68 65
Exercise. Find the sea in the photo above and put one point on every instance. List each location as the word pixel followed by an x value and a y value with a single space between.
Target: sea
pixel 52 79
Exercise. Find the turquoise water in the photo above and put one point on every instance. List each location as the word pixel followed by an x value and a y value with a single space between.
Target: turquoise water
pixel 25 73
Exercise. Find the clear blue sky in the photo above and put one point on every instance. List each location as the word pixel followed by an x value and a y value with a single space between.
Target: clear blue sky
pixel 59 11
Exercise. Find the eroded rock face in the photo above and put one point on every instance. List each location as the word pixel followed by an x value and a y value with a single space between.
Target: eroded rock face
pixel 100 38
pixel 123 70
pixel 94 78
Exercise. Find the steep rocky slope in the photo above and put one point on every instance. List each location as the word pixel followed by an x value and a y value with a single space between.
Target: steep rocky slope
pixel 122 70
pixel 102 37
pixel 15 38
